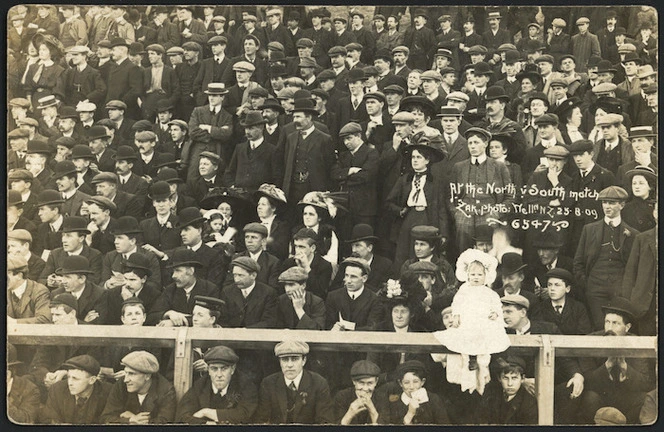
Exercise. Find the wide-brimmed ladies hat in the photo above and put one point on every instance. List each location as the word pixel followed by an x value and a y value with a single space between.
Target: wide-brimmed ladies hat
pixel 275 195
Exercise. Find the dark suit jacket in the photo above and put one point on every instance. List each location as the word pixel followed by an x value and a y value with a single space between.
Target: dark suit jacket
pixel 361 186
pixel 93 298
pixel 46 239
pixel 127 205
pixel 521 410
pixel 260 75
pixel 23 405
pixel 497 174
pixel 107 161
pixel 170 85
pixel 162 238
pixel 61 405
pixel 279 240
pixel 148 295
pixel 104 241
pixel 57 257
pixel 320 159
pixel 112 261
pixel 273 400
pixel 258 311
pixel 598 179
pixel 219 135
pixel 588 250
pixel 72 206
pixel 125 83
pixel 173 298
pixel 136 185
pixel 91 86
pixel 160 402
pixel 197 29
pixel 346 113
pixel 366 311
pixel 33 307
pixel 249 170
pixel 381 271
pixel 640 279
pixel 572 321
pixel 313 318
pixel 320 275
pixel 206 75
pixel 456 153
pixel 237 406
pixel 198 188
pixel 35 267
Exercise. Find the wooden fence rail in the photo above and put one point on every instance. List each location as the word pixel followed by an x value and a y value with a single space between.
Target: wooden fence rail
pixel 182 339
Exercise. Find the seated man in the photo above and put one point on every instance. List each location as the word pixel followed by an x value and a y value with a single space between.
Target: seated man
pixel 255 240
pixel 144 397
pixel 19 243
pixel 427 247
pixel 81 398
pixel 27 300
pixel 559 308
pixel 222 397
pixel 22 395
pixel 512 272
pixel 355 405
pixel 510 403
pixel 298 308
pixel 308 258
pixel 306 393
pixel 136 270
pixel 617 382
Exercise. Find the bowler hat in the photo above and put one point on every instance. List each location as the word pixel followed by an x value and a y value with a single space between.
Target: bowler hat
pixel 632 57
pixel 81 152
pixel 511 263
pixel 512 57
pixel 356 74
pixel 64 168
pixel 74 264
pixel 306 106
pixel 621 306
pixel 530 71
pixel 184 257
pixel 247 263
pixel 189 216
pixel 482 68
pixel 64 141
pixel 252 118
pixel 169 175
pixel 119 42
pixel 496 93
pixel 127 225
pixel 159 191
pixel 547 240
pixel 386 55
pixel 164 105
pixel 221 354
pixel 137 261
pixel 362 232
pixel 237 198
pixel 320 93
pixel 68 112
pixel 483 233
pixel 606 66
pixel 125 153
pixel 97 132
pixel 38 147
pixel 75 224
pixel 49 197
pixel 84 362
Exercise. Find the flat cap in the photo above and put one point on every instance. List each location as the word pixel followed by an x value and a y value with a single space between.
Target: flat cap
pixel 609 416
pixel 337 50
pixel 393 88
pixel 507 47
pixel 560 273
pixel 354 46
pixel 304 43
pixel 219 18
pixel 158 48
pixel 244 66
pixel 256 227
pixel 547 119
pixel 221 354
pixel 102 202
pixel 403 117
pixel 423 267
pixel 350 129
pixel 247 263
pixel 20 102
pixel 104 43
pixel 250 17
pixel 176 50
pixel 515 299
pixel 545 58
pixel 609 119
pixel 144 136
pixel 16 262
pixel 613 193
pixel 64 299
pixel 582 20
pixel 515 361
pixel 478 131
pixel 20 235
pixel 116 104
pixel 192 46
pixel 218 40
pixel 85 363
pixel 25 175
pixel 478 49
pixel 626 48
pixel 364 369
pixel 357 262
pixel 580 146
pixel 414 366
pixel 212 157
pixel 275 46
pixel 401 49
pixel 559 22
pixel 141 361
pixel 556 152
pixel 457 95
pixel 604 88
pixel 307 62
pixel 431 75
pixel 18 134
pixel 291 347
pixel 105 177
pixel 424 232
pixel 85 106
pixel 294 275
pixel 558 82
pixel 30 121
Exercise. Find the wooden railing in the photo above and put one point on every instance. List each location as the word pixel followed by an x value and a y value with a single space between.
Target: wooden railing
pixel 545 347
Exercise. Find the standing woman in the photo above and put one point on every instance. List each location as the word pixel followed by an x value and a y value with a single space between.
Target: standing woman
pixel 638 212
pixel 417 198
pixel 271 207
pixel 318 210
pixel 42 77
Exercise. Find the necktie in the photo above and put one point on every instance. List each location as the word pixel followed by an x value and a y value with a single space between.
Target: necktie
pixel 607 148
pixel 80 402
pixel 356 103
pixel 549 266
pixel 476 162
pixel 448 140
pixel 418 186
pixel 38 74
pixel 615 373
pixel 125 256
pixel 52 228
pixel 292 387
pixel 559 309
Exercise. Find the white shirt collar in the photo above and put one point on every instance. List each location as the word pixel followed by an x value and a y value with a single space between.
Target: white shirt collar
pixel 147 158
pixel 221 392
pixel 295 381
pixel 481 158
pixel 57 224
pixel 378 119
pixel 141 397
pixel 248 290
pixel 197 246
pixel 308 132
pixel 77 251
pixel 615 221
pixel 525 329
pixel 356 294
pixel 271 128
pixel 18 292
pixel 256 143
pixel 255 256
pixel 125 178
pixel 67 195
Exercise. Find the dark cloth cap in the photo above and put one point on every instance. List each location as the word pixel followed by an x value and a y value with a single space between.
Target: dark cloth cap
pixel 210 303
pixel 256 227
pixel 580 146
pixel 221 354
pixel 425 232
pixel 561 273
pixel 64 299
pixel 364 369
pixel 350 129
pixel 247 263
pixel 547 119
pixel 414 366
pixel 293 275
pixel 102 202
pixel 83 362
pixel 141 361
pixel 621 306
pixel 356 262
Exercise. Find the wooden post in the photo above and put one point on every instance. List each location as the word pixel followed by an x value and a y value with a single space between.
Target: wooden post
pixel 544 379
pixel 183 363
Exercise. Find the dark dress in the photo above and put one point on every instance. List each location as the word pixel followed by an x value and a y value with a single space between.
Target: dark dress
pixel 638 214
